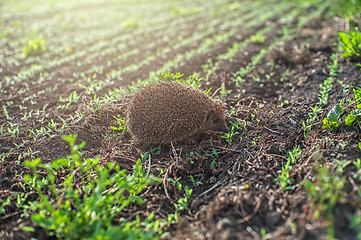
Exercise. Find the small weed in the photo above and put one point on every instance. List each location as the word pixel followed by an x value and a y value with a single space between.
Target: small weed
pixel 195 183
pixel 179 11
pixel 194 80
pixel 13 129
pixel 327 85
pixel 122 126
pixel 88 211
pixel 258 38
pixel 156 150
pixel 168 75
pixel 284 178
pixel 324 194
pixel 325 88
pixel 6 113
pixel 351 43
pixel 343 144
pixel 177 183
pixel 182 203
pixel 3 204
pixel 34 47
pixel 72 98
pixel 224 92
pixel 130 23
pixel 334 116
pixel 234 6
pixel 234 130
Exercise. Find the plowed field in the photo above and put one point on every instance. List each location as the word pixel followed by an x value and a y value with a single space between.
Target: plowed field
pixel 71 67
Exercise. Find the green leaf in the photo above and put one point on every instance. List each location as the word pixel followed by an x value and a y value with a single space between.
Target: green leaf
pixel 358 39
pixel 70 139
pixel 351 44
pixel 344 39
pixel 61 162
pixel 115 128
pixel 28 229
pixel 32 163
pixel 357 92
pixel 27 178
pixel 333 117
pixel 349 119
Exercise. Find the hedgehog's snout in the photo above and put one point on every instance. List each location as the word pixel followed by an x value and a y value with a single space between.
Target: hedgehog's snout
pixel 223 128
pixel 219 125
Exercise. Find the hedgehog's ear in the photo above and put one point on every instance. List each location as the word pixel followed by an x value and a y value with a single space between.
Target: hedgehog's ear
pixel 218 102
pixel 219 105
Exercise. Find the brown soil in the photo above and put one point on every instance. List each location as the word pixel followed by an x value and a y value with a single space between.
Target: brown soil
pixel 238 196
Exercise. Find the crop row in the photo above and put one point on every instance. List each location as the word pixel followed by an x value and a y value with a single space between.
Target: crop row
pixel 35 69
pixel 92 78
pixel 87 37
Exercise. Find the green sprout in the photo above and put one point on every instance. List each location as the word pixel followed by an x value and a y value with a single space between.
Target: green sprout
pixel 34 47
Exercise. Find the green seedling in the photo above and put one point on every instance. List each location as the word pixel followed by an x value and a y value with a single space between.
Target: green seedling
pixel 188 192
pixel 3 204
pixel 335 115
pixel 284 177
pixel 6 112
pixel 28 154
pixel 285 75
pixel 233 131
pixel 156 150
pixel 179 11
pixel 334 68
pixel 13 129
pixel 130 23
pixel 351 43
pixel 210 68
pixel 195 183
pixel 224 92
pixel 34 47
pixel 345 87
pixel 333 118
pixel 258 38
pixel 325 88
pixel 355 113
pixel 341 164
pixel 88 212
pixel 294 155
pixel 177 183
pixel 343 144
pixel 122 126
pixel 327 85
pixel 324 195
pixel 234 6
pixel 357 163
pixel 212 164
pixel 168 75
pixel 194 80
pixel 72 98
pixel 27 116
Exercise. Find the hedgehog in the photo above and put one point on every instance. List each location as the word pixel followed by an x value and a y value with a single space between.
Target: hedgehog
pixel 168 112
